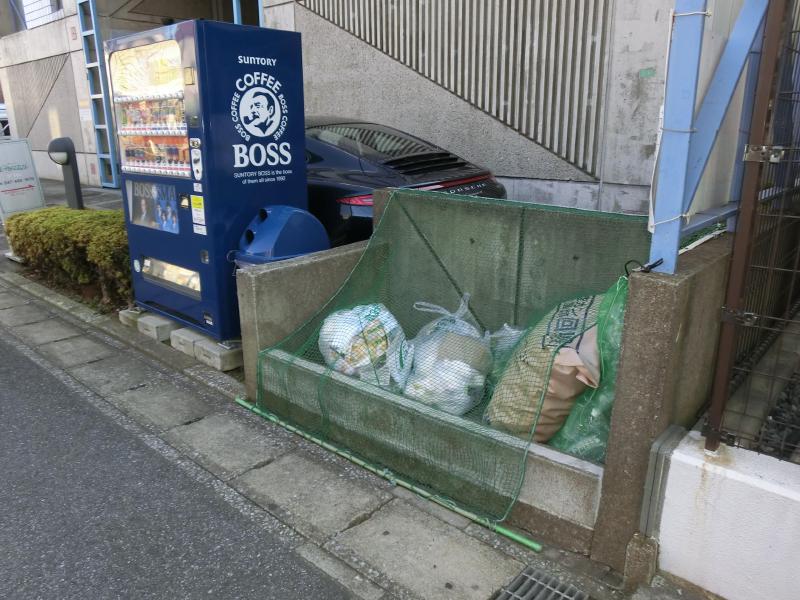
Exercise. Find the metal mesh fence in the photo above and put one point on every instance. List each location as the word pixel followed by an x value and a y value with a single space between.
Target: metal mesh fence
pixel 762 411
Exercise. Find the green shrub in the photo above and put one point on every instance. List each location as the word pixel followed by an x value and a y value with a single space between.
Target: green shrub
pixel 78 249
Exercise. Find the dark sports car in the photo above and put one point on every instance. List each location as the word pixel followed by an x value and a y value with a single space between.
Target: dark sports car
pixel 348 159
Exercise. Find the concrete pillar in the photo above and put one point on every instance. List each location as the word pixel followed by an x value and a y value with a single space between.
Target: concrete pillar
pixel 665 373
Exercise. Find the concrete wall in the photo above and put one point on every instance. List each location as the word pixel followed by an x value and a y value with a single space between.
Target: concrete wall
pixel 346 76
pixel 560 499
pixel 41 73
pixel 338 63
pixel 731 522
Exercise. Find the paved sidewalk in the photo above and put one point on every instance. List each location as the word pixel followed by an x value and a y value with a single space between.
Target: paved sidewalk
pixel 94 508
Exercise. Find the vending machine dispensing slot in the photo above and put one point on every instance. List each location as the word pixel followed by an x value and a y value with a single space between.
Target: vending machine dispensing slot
pixel 209 122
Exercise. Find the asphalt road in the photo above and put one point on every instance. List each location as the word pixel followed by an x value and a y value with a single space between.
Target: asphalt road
pixel 88 510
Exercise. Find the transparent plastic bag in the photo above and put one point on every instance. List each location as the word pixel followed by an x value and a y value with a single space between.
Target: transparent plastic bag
pixel 502 343
pixel 585 432
pixel 367 342
pixel 451 360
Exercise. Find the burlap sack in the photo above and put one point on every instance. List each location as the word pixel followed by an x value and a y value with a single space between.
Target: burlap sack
pixel 552 365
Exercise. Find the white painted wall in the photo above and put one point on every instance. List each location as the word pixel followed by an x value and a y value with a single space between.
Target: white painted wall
pixel 731 522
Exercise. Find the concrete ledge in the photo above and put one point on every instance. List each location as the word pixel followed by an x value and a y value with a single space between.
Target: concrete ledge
pixel 549 529
pixel 731 521
pixel 276 298
pixel 399 433
pixel 130 316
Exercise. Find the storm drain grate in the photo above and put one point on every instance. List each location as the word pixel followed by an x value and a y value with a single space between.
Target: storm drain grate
pixel 535 585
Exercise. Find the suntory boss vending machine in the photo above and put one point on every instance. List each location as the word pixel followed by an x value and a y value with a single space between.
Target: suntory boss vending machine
pixel 209 120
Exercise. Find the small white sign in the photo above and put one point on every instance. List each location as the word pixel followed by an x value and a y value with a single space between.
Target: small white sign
pixel 19 184
pixel 198 187
pixel 198 210
pixel 200 229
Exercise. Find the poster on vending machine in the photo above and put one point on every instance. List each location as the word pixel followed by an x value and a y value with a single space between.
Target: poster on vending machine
pixel 153 205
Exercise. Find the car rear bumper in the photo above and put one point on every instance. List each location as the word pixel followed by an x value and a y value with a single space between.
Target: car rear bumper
pixel 356 220
pixel 486 188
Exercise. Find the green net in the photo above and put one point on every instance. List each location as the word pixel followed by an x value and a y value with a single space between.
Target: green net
pixel 585 431
pixel 467 330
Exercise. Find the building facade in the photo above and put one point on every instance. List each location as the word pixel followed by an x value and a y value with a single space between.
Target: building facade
pixel 560 98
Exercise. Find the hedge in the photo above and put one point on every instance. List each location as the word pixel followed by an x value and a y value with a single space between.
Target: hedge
pixel 85 250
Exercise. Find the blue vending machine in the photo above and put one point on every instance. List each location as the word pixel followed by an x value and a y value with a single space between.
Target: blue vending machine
pixel 209 121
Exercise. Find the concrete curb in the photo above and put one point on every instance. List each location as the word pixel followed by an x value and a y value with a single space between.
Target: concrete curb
pixel 109 324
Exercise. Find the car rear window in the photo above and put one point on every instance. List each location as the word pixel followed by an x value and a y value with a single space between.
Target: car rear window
pixel 368 141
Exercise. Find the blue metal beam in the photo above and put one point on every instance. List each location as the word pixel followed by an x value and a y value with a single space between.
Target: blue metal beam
pixel 680 96
pixel 708 217
pixel 261 22
pixel 721 90
pixel 237 11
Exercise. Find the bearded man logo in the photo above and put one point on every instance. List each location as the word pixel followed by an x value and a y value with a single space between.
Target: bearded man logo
pixel 260 112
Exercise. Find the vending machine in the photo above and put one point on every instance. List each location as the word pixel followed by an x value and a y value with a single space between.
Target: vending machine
pixel 209 122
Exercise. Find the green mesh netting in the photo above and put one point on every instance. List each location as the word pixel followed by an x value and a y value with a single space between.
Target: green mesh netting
pixel 586 429
pixel 436 359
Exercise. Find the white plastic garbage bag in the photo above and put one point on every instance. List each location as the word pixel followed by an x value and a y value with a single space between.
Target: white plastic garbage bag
pixel 367 342
pixel 451 360
pixel 502 343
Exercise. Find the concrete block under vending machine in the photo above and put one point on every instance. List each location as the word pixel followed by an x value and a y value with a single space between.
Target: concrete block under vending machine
pixel 184 339
pixel 218 356
pixel 156 327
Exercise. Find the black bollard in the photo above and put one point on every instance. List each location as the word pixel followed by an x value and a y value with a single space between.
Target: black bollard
pixel 62 152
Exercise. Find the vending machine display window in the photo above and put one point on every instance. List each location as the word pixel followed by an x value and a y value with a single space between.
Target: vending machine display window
pixel 150 111
pixel 153 205
pixel 184 281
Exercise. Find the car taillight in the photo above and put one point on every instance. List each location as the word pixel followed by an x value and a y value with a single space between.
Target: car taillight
pixel 454 183
pixel 356 200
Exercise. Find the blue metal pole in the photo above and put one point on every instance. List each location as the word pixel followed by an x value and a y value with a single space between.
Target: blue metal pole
pixel 720 92
pixel 751 82
pixel 15 9
pixel 260 5
pixel 679 102
pixel 237 11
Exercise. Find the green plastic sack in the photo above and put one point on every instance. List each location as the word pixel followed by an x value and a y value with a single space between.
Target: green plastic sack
pixel 585 432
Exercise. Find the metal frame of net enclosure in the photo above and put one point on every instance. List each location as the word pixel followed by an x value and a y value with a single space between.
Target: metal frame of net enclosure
pixel 402 367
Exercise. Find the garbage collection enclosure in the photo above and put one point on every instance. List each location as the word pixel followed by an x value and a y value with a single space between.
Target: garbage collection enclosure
pixel 507 265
